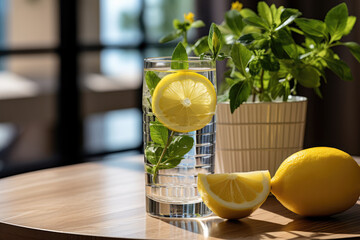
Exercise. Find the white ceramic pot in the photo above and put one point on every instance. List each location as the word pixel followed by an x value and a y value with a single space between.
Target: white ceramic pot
pixel 260 135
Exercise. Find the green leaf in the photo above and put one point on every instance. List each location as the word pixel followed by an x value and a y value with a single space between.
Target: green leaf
pixel 276 12
pixel 354 49
pixel 179 57
pixel 241 57
pixel 307 76
pixel 149 169
pixel 265 13
pixel 287 13
pixel 249 38
pixel 197 24
pixel 312 27
pixel 170 163
pixel 340 68
pixel 179 146
pixel 336 21
pixel 223 98
pixel 171 36
pixel 153 153
pixel 234 21
pixel 287 91
pixel 283 45
pixel 349 25
pixel 159 133
pixel 151 80
pixel 177 24
pixel 201 46
pixel 257 22
pixel 215 40
pixel 277 90
pixel 288 20
pixel 269 63
pixel 247 12
pixel 254 67
pixel 238 94
pixel 318 92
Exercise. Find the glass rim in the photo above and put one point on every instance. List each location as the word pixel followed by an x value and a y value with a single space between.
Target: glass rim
pixel 168 59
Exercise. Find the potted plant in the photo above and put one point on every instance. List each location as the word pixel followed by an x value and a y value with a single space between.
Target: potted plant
pixel 260 120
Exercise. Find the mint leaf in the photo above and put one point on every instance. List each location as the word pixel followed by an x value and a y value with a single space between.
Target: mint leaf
pixel 169 37
pixel 283 45
pixel 288 16
pixel 269 63
pixel 312 27
pixel 151 80
pixel 149 169
pixel 241 57
pixel 215 40
pixel 179 146
pixel 354 49
pixel 170 163
pixel 336 21
pixel 277 90
pixel 256 22
pixel 249 38
pixel 254 67
pixel 340 68
pixel 276 13
pixel 238 94
pixel 153 153
pixel 159 133
pixel 349 25
pixel 265 13
pixel 247 12
pixel 201 46
pixel 197 24
pixel 233 20
pixel 307 76
pixel 179 58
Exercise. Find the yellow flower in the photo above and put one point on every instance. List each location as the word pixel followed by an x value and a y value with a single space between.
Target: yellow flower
pixel 236 6
pixel 189 17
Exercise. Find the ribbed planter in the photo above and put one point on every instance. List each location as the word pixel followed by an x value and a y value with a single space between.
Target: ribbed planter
pixel 259 136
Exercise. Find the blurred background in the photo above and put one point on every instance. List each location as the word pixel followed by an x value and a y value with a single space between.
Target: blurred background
pixel 71 77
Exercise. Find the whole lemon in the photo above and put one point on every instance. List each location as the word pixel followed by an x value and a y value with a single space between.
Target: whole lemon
pixel 318 181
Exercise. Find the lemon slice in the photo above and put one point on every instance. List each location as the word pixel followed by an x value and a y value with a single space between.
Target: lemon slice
pixel 234 195
pixel 184 101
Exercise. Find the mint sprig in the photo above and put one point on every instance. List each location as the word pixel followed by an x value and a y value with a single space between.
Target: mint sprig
pixel 166 150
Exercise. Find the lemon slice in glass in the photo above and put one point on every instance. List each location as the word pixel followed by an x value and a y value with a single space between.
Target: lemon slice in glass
pixel 234 195
pixel 184 101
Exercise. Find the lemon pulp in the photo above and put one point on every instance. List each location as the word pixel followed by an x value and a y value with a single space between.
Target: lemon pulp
pixel 234 195
pixel 184 101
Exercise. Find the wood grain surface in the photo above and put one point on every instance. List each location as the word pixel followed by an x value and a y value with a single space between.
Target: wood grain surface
pixel 105 200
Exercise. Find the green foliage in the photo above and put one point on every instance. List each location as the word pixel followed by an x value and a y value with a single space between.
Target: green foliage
pixel 164 151
pixel 151 80
pixel 179 57
pixel 264 60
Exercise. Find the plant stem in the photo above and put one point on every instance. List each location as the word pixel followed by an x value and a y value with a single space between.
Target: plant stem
pixel 262 81
pixel 185 41
pixel 155 171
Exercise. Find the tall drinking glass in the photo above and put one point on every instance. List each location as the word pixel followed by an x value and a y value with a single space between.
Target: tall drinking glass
pixel 179 143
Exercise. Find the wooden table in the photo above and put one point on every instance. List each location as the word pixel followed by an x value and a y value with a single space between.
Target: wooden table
pixel 105 200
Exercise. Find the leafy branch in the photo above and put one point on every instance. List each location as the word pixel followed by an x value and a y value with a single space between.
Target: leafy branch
pixel 265 61
pixel 165 151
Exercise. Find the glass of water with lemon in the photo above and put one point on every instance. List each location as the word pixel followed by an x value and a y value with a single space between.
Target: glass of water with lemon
pixel 179 102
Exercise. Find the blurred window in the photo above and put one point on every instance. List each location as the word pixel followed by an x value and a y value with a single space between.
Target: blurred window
pixel 114 38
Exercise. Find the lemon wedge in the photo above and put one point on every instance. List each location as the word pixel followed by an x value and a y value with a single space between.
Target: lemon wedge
pixel 234 195
pixel 184 101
